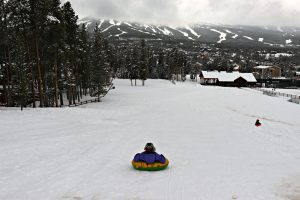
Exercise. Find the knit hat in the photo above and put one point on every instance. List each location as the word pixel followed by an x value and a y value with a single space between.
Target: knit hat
pixel 149 147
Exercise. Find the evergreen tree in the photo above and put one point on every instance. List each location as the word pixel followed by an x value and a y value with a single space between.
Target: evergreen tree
pixel 162 71
pixel 143 68
pixel 134 70
pixel 84 66
pixel 70 68
pixel 99 66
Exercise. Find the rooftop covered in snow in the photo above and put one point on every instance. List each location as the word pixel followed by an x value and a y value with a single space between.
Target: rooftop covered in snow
pixel 224 76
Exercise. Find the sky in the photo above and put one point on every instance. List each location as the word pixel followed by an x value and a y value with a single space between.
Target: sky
pixel 183 12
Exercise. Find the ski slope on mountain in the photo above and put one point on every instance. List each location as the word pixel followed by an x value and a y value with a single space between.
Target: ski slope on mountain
pixel 207 133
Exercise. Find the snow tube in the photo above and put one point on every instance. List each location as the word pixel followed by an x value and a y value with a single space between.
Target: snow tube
pixel 149 162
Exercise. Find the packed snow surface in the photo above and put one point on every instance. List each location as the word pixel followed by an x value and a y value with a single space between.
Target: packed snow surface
pixel 122 32
pixel 222 35
pixel 107 28
pixel 289 41
pixel 53 19
pixel 235 35
pixel 165 31
pixel 193 31
pixel 185 34
pixel 101 22
pixel 249 38
pixel 207 133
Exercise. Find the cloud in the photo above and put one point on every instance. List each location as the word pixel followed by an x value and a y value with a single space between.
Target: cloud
pixel 179 12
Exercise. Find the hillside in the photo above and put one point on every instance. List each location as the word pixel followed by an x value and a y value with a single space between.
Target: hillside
pixel 207 133
pixel 205 33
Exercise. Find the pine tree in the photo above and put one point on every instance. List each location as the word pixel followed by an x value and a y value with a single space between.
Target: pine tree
pixel 161 65
pixel 52 46
pixel 134 70
pixel 37 20
pixel 84 65
pixel 99 66
pixel 20 54
pixel 70 68
pixel 21 71
pixel 5 55
pixel 143 68
pixel 44 54
pixel 152 64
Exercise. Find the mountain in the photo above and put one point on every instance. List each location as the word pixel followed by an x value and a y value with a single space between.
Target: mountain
pixel 286 36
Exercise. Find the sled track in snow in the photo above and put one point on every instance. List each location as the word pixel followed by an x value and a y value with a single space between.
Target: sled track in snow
pixel 265 118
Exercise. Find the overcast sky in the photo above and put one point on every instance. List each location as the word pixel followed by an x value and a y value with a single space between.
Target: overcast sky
pixel 182 12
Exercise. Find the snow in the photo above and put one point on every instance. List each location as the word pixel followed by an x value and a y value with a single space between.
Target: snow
pixel 222 35
pixel 235 35
pixel 112 22
pixel 83 21
pixel 88 23
pixel 128 24
pixel 268 43
pixel 135 29
pixel 101 22
pixel 141 31
pixel 286 91
pixel 277 55
pixel 208 134
pixel 53 19
pixel 122 32
pixel 228 76
pixel 107 28
pixel 279 29
pixel 192 31
pixel 262 67
pixel 185 34
pixel 289 41
pixel 153 29
pixel 165 31
pixel 249 38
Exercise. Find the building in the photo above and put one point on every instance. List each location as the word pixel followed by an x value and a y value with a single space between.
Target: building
pixel 223 78
pixel 297 75
pixel 265 72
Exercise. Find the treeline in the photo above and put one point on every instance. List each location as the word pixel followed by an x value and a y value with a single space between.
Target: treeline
pixel 137 60
pixel 46 57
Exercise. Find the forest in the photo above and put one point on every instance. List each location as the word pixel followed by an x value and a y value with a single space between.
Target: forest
pixel 48 59
pixel 45 56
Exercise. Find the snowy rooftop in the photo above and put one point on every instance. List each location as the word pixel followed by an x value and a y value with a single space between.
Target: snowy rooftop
pixel 264 67
pixel 228 76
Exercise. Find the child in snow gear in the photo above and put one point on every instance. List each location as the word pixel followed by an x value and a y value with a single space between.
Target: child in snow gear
pixel 257 123
pixel 149 147
pixel 149 160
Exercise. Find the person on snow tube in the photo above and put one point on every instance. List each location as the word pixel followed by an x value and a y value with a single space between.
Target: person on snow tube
pixel 149 159
pixel 257 123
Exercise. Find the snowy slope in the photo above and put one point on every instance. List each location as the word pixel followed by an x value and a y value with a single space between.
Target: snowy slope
pixel 222 35
pixel 208 134
pixel 237 34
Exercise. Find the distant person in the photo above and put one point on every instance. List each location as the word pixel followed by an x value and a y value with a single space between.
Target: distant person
pixel 257 123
